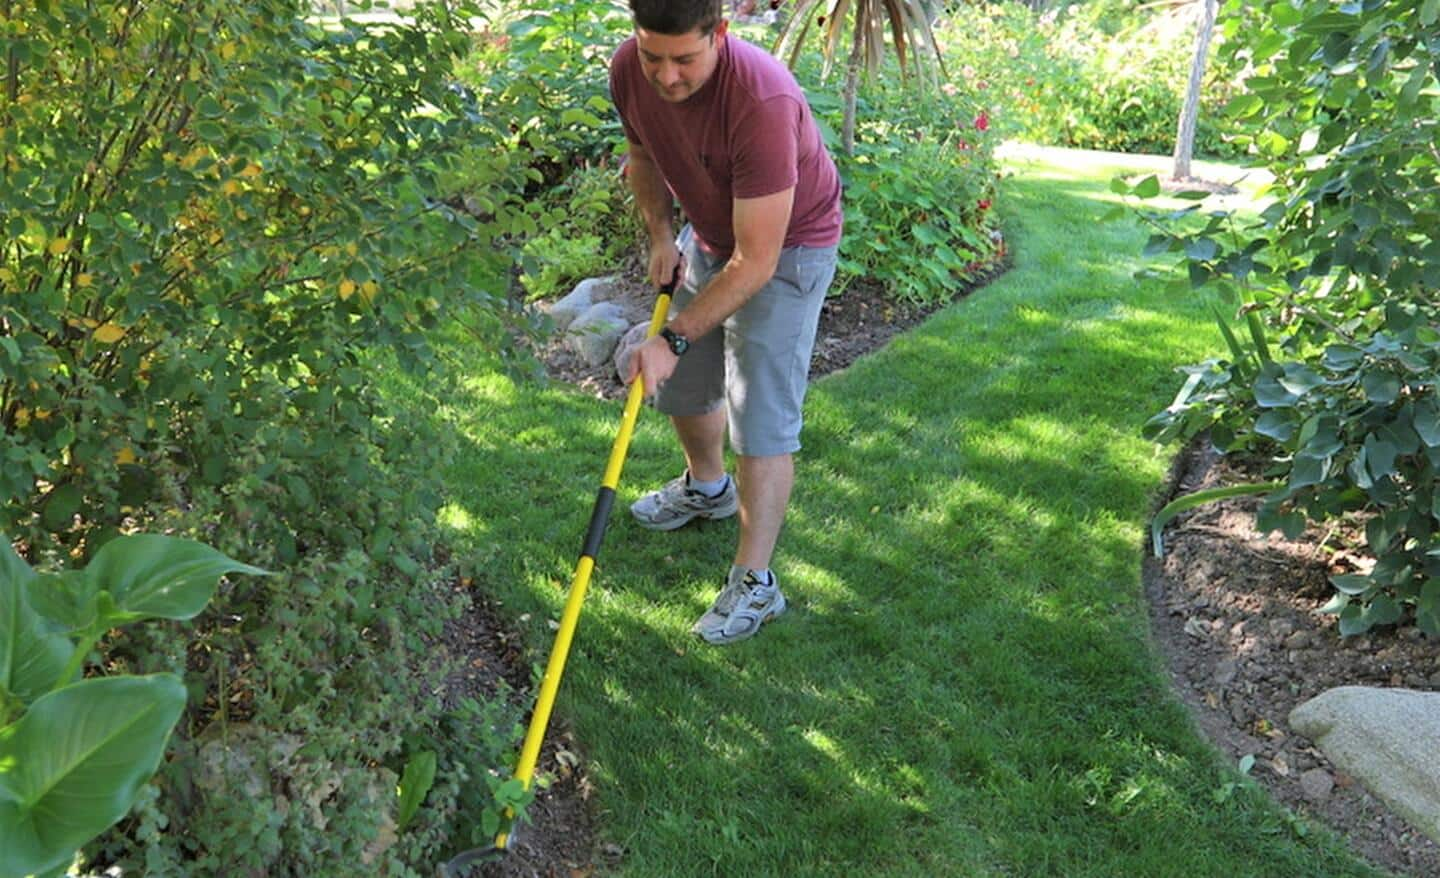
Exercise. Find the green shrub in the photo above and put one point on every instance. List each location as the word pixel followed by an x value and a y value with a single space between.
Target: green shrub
pixel 209 216
pixel 218 220
pixel 919 190
pixel 541 79
pixel 1335 376
pixel 589 226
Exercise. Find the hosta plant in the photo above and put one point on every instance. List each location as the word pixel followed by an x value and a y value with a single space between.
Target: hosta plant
pixel 74 753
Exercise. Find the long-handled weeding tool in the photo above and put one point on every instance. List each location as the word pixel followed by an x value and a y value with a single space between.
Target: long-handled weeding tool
pixel 579 583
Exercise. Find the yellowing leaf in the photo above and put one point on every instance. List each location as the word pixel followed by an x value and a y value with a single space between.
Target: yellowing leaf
pixel 251 170
pixel 84 280
pixel 230 187
pixel 58 246
pixel 368 291
pixel 109 333
pixel 347 289
pixel 22 417
pixel 125 456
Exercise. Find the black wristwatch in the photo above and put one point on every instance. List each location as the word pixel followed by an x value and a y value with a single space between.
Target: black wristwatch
pixel 679 344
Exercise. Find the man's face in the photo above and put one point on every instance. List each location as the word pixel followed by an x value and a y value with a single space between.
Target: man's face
pixel 678 65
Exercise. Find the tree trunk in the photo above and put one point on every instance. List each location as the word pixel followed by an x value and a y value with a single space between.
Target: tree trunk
pixel 1185 132
pixel 852 89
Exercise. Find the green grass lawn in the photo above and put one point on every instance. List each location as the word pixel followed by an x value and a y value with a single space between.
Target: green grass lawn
pixel 964 684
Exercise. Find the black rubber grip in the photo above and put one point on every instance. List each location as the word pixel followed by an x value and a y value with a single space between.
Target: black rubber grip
pixel 599 517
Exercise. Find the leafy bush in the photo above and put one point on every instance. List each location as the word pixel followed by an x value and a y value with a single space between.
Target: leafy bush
pixel 209 215
pixel 918 191
pixel 590 225
pixel 1336 374
pixel 541 78
pixel 218 220
pixel 1096 76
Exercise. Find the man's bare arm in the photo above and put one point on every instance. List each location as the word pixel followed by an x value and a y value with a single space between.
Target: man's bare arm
pixel 657 211
pixel 760 225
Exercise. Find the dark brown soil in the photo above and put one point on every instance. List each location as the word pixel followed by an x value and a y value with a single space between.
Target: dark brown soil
pixel 1236 615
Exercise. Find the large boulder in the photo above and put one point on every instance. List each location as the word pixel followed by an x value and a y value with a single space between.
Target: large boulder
pixel 581 299
pixel 1385 738
pixel 593 335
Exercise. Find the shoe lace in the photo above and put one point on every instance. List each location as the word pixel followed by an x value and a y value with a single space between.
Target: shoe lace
pixel 674 491
pixel 730 598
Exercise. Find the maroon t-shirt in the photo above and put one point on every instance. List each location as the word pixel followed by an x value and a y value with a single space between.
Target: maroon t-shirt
pixel 747 132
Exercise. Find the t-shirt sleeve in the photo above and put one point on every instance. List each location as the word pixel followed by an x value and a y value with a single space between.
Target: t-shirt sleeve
pixel 618 94
pixel 766 149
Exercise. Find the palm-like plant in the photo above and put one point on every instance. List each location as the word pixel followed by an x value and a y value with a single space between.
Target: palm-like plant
pixel 866 22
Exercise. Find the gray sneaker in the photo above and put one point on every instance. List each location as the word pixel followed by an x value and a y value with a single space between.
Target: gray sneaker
pixel 677 504
pixel 739 611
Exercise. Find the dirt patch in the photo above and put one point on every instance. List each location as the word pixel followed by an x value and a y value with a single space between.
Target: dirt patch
pixel 1236 615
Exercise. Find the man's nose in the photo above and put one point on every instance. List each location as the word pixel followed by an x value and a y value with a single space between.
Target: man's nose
pixel 668 74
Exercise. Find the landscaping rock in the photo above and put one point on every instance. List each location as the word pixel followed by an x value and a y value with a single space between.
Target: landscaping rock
pixel 1316 784
pixel 580 300
pixel 593 335
pixel 628 342
pixel 1386 739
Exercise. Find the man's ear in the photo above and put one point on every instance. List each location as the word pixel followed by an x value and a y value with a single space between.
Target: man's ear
pixel 719 32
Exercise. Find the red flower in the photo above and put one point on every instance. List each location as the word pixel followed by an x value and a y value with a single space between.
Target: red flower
pixel 982 121
pixel 983 204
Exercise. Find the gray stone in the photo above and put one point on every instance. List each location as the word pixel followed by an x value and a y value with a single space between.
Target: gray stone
pixel 1299 640
pixel 580 300
pixel 1385 738
pixel 1316 784
pixel 593 334
pixel 1226 670
pixel 628 342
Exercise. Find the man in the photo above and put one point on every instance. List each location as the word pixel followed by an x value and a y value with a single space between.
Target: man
pixel 723 126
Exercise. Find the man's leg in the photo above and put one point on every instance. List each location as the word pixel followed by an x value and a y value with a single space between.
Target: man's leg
pixel 703 437
pixel 765 484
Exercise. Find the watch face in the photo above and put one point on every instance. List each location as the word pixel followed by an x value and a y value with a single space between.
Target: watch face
pixel 679 344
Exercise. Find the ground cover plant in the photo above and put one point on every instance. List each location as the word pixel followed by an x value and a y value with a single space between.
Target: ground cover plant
pixel 962 687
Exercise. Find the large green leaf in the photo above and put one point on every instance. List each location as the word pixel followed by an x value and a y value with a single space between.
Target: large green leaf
pixel 66 598
pixel 74 763
pixel 31 654
pixel 154 575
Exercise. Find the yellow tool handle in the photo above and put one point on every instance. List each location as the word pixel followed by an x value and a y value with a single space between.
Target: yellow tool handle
pixel 595 533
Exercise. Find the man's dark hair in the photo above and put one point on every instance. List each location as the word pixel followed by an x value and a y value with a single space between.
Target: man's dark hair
pixel 676 17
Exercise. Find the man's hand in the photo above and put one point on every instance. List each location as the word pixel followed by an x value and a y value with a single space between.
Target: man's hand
pixel 664 263
pixel 653 362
